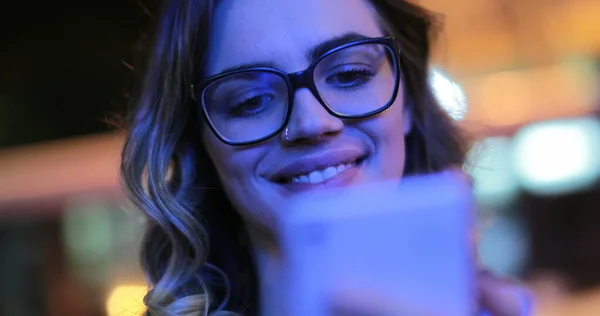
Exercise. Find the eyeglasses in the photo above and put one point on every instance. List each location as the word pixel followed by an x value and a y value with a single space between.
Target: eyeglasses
pixel 352 81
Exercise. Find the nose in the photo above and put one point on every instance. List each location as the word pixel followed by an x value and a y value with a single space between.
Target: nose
pixel 310 122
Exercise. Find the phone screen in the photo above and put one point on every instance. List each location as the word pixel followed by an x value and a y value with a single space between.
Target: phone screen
pixel 408 242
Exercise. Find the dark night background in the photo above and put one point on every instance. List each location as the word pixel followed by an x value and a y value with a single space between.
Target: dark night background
pixel 63 66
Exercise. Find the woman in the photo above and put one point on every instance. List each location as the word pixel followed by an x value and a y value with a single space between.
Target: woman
pixel 246 102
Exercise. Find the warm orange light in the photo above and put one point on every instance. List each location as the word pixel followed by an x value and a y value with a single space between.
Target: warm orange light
pixel 126 300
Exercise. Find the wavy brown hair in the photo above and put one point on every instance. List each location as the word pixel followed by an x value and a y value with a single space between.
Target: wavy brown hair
pixel 195 252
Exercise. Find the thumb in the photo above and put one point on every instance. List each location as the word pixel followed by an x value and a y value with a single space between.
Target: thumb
pixel 502 298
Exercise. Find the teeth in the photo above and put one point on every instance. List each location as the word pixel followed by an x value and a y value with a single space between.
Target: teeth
pixel 316 177
pixel 319 176
pixel 303 179
pixel 329 172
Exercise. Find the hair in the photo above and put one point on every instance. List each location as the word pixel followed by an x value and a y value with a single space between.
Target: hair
pixel 195 252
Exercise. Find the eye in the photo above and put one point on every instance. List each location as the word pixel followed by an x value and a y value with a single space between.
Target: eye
pixel 251 105
pixel 350 78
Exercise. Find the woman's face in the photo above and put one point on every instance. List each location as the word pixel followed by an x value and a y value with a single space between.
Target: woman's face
pixel 319 149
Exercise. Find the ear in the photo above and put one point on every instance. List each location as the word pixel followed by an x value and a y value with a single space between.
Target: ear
pixel 407 116
pixel 407 121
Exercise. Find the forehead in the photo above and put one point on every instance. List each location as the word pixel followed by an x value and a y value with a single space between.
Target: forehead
pixel 282 31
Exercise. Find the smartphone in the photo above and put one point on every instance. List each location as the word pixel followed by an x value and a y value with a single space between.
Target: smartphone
pixel 409 241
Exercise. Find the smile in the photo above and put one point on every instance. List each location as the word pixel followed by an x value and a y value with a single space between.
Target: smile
pixel 329 170
pixel 319 176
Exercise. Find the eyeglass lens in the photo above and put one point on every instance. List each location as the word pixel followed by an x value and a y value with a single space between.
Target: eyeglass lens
pixel 251 105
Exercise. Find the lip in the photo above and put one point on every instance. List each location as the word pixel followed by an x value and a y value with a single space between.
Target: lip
pixel 314 162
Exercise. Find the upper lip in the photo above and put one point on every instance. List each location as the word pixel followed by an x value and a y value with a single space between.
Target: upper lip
pixel 313 162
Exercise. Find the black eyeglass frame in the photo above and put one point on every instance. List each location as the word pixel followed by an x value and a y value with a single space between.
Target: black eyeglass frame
pixel 299 80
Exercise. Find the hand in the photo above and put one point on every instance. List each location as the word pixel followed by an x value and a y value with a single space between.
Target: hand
pixel 503 298
pixel 496 296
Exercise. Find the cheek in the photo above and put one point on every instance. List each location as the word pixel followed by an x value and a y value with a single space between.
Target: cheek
pixel 393 146
pixel 388 132
pixel 236 167
pixel 225 160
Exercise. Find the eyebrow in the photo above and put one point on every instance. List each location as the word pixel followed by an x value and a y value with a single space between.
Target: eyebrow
pixel 332 43
pixel 249 65
pixel 312 54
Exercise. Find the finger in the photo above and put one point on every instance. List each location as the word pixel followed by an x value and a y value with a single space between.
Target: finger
pixel 503 298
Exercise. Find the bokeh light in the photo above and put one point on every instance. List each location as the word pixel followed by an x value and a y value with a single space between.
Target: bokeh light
pixel 492 170
pixel 126 300
pixel 449 94
pixel 558 156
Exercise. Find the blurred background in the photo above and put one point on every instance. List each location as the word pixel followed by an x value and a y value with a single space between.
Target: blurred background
pixel 522 76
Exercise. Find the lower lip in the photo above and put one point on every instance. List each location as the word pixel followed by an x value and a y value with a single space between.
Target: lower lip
pixel 341 179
